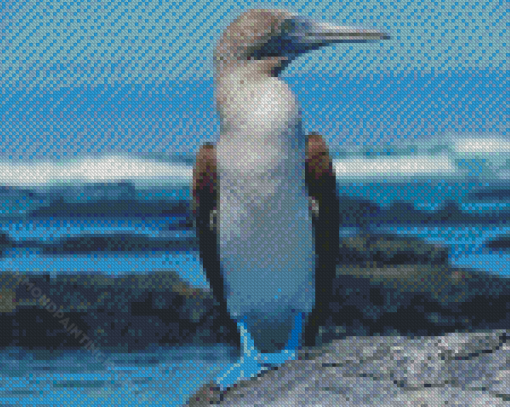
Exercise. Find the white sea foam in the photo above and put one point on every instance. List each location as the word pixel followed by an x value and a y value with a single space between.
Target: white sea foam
pixel 449 156
pixel 93 170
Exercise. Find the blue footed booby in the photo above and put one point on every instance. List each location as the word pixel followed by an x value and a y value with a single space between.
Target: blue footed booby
pixel 265 198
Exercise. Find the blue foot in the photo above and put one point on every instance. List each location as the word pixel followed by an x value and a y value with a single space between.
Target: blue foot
pixel 295 336
pixel 289 353
pixel 248 366
pixel 252 362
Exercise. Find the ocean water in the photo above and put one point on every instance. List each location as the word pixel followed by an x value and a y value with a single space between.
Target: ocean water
pixel 57 207
pixel 157 377
pixel 44 205
pixel 465 243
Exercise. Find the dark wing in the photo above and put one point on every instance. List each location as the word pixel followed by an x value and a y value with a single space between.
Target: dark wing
pixel 322 189
pixel 205 201
pixel 205 198
pixel 205 182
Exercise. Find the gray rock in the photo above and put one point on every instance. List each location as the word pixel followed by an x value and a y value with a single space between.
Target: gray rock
pixel 457 369
pixel 386 249
pixel 411 334
pixel 118 313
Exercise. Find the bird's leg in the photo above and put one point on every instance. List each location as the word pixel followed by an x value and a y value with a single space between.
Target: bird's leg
pixel 248 366
pixel 289 352
pixel 253 362
pixel 296 334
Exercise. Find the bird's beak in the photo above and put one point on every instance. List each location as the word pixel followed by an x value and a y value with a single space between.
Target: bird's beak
pixel 309 33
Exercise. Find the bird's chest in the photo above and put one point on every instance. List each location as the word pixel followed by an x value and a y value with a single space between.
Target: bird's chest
pixel 260 161
pixel 265 235
pixel 263 205
pixel 255 174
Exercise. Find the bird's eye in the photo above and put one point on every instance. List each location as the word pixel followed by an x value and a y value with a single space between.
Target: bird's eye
pixel 288 26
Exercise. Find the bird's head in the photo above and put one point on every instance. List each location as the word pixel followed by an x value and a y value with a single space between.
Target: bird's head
pixel 273 38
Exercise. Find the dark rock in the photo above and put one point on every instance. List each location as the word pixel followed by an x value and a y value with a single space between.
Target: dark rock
pixel 385 249
pixel 450 213
pixel 356 212
pixel 119 313
pixel 499 194
pixel 499 243
pixel 5 242
pixel 115 242
pixel 106 208
pixel 415 300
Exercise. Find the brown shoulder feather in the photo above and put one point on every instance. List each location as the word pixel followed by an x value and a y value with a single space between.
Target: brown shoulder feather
pixel 319 166
pixel 317 157
pixel 204 174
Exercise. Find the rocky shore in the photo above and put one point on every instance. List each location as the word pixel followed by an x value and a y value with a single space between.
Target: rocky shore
pixel 400 333
pixel 116 313
pixel 457 369
pixel 397 305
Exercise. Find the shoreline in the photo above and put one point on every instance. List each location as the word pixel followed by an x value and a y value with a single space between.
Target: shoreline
pixel 172 312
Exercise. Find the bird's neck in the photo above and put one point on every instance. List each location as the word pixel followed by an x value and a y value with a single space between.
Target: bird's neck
pixel 261 143
pixel 257 109
pixel 261 68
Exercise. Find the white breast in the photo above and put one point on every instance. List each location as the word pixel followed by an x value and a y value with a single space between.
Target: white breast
pixel 265 228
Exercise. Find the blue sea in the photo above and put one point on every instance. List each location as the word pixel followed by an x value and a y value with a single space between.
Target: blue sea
pixel 71 199
pixel 144 198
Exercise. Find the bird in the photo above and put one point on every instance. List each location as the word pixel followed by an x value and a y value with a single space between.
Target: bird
pixel 264 195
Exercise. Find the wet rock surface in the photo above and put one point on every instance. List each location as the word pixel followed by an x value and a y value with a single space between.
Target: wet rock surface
pixel 461 369
pixel 502 243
